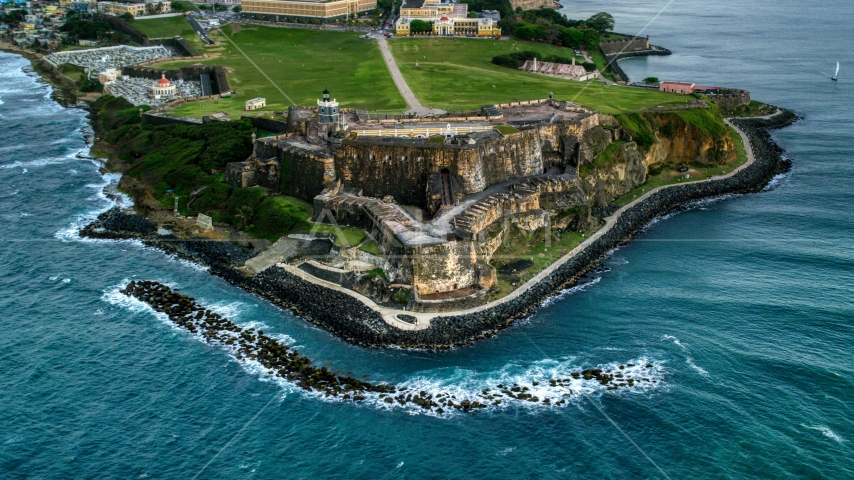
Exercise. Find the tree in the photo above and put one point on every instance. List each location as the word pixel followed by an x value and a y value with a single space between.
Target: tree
pixel 573 37
pixel 127 16
pixel 553 36
pixel 245 214
pixel 527 31
pixel 236 9
pixel 420 26
pixel 650 80
pixel 591 38
pixel 601 22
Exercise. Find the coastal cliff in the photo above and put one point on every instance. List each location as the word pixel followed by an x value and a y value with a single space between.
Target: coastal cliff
pixel 622 165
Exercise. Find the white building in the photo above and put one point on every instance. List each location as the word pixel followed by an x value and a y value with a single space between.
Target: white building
pixel 256 103
pixel 163 87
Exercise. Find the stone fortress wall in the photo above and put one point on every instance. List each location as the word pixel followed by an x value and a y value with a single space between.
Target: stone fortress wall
pixel 532 4
pixel 628 44
pixel 731 98
pixel 363 181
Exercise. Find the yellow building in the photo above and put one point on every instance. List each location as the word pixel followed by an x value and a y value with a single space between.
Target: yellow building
pixel 135 9
pixel 448 19
pixel 453 27
pixel 311 9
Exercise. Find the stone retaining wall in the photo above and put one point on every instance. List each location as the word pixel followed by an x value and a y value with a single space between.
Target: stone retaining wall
pixel 617 71
pixel 353 321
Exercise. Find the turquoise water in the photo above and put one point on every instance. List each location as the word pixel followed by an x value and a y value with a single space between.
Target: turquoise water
pixel 743 305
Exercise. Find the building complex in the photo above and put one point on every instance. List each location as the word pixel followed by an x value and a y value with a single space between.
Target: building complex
pixel 446 19
pixel 308 9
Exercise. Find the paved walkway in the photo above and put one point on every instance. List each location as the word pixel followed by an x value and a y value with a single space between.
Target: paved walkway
pixel 423 318
pixel 411 100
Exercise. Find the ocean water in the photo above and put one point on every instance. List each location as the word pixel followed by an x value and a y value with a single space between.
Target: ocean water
pixel 743 305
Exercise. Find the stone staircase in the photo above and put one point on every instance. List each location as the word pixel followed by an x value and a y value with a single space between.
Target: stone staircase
pixel 487 210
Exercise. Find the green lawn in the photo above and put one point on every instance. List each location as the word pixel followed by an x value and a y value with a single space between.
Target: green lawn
pixel 166 27
pixel 372 248
pixel 344 236
pixel 524 246
pixel 456 74
pixel 601 62
pixel 301 63
pixel 73 72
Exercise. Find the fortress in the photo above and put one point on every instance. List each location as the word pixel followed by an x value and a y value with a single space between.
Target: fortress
pixel 438 195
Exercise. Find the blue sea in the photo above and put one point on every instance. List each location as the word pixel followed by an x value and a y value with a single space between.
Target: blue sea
pixel 744 305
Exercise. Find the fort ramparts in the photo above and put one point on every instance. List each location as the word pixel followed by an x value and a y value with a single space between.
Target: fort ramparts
pixel 356 321
pixel 428 193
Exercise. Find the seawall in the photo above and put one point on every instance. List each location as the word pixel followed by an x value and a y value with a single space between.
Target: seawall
pixel 355 322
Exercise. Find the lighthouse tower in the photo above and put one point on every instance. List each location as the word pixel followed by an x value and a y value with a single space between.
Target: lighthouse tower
pixel 327 109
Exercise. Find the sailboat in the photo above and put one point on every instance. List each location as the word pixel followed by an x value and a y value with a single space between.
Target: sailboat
pixel 835 74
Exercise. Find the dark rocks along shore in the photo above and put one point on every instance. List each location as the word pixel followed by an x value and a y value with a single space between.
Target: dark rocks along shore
pixel 353 321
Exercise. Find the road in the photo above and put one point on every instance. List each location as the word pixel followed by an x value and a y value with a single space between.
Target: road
pixel 589 59
pixel 410 98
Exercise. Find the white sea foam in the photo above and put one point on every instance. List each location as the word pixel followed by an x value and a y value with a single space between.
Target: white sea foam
pixel 113 296
pixel 106 202
pixel 569 291
pixel 467 384
pixel 453 383
pixel 827 432
pixel 189 263
pixel 699 369
pixel 41 162
pixel 699 204
pixel 674 339
pixel 777 181
pixel 617 261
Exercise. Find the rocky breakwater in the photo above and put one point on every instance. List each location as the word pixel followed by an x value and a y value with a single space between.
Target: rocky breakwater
pixel 280 360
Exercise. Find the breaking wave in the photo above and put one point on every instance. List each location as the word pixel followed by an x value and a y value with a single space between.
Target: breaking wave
pixel 543 384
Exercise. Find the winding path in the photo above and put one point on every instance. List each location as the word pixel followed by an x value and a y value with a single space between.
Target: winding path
pixel 422 319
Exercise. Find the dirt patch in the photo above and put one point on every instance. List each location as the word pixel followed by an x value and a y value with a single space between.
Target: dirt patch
pixel 516 266
pixel 462 292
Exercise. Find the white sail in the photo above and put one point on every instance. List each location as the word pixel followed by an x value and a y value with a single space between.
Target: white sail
pixel 837 70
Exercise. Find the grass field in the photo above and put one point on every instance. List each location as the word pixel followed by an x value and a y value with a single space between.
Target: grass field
pixel 301 63
pixel 167 27
pixel 525 246
pixel 456 74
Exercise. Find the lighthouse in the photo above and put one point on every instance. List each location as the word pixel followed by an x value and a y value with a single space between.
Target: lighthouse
pixel 327 109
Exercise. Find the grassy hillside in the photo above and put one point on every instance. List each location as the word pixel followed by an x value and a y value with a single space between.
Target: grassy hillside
pixel 166 27
pixel 299 62
pixel 457 74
